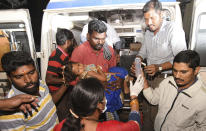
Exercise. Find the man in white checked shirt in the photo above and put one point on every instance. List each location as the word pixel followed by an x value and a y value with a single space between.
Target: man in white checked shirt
pixel 162 41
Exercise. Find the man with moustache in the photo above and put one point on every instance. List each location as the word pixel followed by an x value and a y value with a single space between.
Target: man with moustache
pixel 162 41
pixel 93 50
pixel 21 71
pixel 112 38
pixel 181 97
pixel 54 79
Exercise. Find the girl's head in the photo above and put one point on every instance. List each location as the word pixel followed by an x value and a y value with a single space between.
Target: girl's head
pixel 72 70
pixel 86 97
pixel 77 68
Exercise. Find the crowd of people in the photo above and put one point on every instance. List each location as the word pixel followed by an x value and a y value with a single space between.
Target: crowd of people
pixel 84 81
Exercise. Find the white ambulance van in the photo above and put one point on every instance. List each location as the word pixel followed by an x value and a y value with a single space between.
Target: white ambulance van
pixel 197 34
pixel 124 15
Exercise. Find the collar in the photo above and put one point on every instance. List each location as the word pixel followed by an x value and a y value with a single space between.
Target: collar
pixel 15 91
pixel 63 52
pixel 91 50
pixel 180 90
pixel 191 90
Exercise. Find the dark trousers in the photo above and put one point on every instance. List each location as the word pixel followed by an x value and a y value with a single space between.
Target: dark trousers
pixel 63 105
pixel 150 111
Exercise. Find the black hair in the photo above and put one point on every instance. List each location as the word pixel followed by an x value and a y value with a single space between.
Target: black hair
pixel 117 51
pixel 152 4
pixel 189 57
pixel 102 18
pixel 63 35
pixel 96 25
pixel 83 102
pixel 15 59
pixel 68 74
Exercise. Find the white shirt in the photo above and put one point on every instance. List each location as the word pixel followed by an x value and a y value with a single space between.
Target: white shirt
pixel 163 46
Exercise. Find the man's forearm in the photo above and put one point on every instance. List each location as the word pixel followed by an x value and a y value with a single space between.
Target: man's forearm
pixel 166 66
pixel 52 79
pixel 56 96
pixel 17 102
pixel 4 105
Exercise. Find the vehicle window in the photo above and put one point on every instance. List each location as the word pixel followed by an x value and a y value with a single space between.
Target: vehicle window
pixel 13 37
pixel 17 36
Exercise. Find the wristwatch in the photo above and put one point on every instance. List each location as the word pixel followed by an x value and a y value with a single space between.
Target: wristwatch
pixel 159 68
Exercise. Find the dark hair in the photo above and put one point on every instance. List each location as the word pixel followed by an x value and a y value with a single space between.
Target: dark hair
pixel 15 59
pixel 83 102
pixel 68 74
pixel 189 57
pixel 102 18
pixel 152 4
pixel 117 52
pixel 96 25
pixel 63 35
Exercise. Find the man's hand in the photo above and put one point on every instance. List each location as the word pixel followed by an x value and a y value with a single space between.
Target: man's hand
pixel 22 102
pixel 132 69
pixel 151 69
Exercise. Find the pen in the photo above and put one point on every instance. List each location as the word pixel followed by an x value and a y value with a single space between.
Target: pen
pixel 143 64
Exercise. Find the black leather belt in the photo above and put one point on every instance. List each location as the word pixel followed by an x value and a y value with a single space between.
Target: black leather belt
pixel 163 75
pixel 158 75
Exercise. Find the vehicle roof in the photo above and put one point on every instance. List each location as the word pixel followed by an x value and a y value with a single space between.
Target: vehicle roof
pixel 60 4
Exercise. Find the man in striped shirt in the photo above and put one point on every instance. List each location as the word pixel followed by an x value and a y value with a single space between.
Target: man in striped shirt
pixel 54 79
pixel 20 69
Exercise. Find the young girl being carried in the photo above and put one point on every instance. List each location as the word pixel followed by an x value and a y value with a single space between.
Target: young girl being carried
pixel 113 81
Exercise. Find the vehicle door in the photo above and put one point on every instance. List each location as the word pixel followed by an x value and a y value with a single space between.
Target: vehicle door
pixel 15 35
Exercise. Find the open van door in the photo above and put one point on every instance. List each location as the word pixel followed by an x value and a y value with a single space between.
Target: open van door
pixel 124 15
pixel 15 34
pixel 16 26
pixel 197 39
